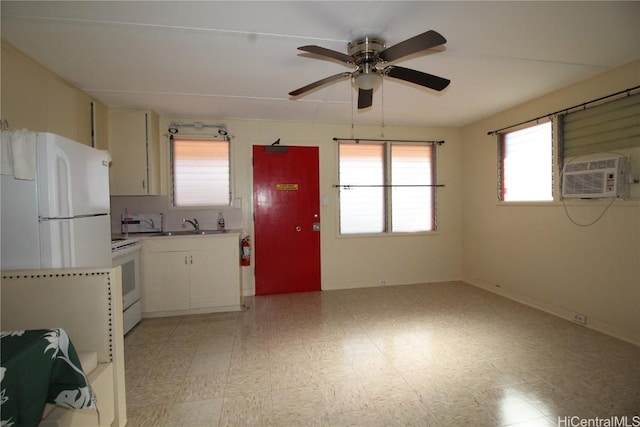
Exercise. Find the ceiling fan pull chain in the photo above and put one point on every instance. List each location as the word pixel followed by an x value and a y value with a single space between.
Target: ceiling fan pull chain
pixel 382 109
pixel 352 111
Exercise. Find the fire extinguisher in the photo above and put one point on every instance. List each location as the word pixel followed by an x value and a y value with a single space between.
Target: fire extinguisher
pixel 245 258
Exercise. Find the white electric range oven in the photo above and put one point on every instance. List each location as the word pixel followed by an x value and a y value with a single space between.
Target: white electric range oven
pixel 125 252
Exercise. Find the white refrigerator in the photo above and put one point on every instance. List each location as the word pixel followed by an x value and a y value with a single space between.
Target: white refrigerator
pixel 61 217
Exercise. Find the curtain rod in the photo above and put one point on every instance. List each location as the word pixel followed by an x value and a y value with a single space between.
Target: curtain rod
pixel 357 140
pixel 566 110
pixel 349 186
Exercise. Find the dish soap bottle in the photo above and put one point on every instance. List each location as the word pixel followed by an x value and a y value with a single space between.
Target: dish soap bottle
pixel 220 221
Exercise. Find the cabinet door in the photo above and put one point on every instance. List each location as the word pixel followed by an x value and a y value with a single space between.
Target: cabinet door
pixel 153 153
pixel 165 281
pixel 62 109
pixel 215 280
pixel 204 269
pixel 128 147
pixel 84 118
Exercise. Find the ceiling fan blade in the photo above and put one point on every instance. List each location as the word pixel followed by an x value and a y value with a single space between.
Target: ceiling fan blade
pixel 417 77
pixel 415 44
pixel 343 57
pixel 319 83
pixel 365 98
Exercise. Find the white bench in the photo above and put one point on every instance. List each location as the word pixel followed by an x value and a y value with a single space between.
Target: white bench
pixel 87 304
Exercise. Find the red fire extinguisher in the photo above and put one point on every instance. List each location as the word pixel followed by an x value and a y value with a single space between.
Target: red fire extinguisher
pixel 245 258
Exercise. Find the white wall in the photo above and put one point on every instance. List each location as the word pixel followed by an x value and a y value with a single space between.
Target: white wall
pixel 532 252
pixel 349 262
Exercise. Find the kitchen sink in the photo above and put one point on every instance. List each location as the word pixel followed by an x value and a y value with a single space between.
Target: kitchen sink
pixel 190 232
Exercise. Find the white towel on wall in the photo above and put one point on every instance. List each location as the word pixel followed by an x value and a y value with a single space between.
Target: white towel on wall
pixel 6 162
pixel 19 154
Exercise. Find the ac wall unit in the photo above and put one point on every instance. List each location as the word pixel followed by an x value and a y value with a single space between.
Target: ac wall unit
pixel 602 177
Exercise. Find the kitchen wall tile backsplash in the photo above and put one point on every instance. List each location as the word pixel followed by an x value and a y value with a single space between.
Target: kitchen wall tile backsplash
pixel 172 218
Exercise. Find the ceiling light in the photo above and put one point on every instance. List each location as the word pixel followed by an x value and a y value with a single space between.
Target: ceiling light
pixel 368 81
pixel 367 77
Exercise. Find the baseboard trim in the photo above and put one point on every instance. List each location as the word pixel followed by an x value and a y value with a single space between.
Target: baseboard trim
pixel 557 311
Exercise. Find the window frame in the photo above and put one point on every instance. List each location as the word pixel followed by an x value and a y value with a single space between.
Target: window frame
pixel 388 189
pixel 501 152
pixel 171 174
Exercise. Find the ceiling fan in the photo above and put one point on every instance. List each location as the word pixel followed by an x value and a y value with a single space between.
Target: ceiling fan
pixel 369 54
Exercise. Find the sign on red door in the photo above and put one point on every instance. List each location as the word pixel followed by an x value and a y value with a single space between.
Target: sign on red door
pixel 287 219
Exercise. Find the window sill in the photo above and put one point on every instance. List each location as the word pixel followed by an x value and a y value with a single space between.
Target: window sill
pixel 197 208
pixel 385 235
pixel 572 202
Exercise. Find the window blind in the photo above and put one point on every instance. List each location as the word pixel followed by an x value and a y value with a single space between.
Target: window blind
pixel 526 164
pixel 412 207
pixel 362 208
pixel 610 126
pixel 200 172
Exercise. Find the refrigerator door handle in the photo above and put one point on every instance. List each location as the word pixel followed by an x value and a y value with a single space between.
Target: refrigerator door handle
pixel 68 248
pixel 63 174
pixel 54 181
pixel 57 248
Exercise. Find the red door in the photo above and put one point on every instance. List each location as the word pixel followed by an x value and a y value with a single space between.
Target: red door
pixel 287 219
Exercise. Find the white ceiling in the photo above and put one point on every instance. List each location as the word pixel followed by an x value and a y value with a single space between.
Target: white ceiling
pixel 240 59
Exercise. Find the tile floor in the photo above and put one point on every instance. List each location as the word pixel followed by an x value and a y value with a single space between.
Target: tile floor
pixel 445 354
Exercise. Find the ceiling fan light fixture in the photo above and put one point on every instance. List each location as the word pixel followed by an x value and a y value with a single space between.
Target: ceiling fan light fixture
pixel 368 81
pixel 367 77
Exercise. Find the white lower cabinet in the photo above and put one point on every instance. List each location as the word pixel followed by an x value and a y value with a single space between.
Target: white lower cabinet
pixel 166 281
pixel 198 274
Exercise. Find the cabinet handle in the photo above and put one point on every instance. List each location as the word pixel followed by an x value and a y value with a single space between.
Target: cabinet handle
pixel 144 184
pixel 191 259
pixel 185 260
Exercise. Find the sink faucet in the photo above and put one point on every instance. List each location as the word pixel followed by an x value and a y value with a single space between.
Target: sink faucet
pixel 194 222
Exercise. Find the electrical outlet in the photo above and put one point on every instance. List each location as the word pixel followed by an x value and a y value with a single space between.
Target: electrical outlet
pixel 579 318
pixel 382 282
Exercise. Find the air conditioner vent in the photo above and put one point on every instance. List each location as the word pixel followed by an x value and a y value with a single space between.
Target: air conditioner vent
pixel 591 165
pixel 596 178
pixel 585 183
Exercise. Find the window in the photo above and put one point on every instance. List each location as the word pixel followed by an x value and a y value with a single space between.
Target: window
pixel 386 187
pixel 200 172
pixel 526 164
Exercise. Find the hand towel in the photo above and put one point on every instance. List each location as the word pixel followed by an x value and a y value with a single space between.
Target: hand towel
pixel 19 154
pixel 6 162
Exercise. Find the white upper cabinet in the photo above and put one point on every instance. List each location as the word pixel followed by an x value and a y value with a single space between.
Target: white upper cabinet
pixel 134 145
